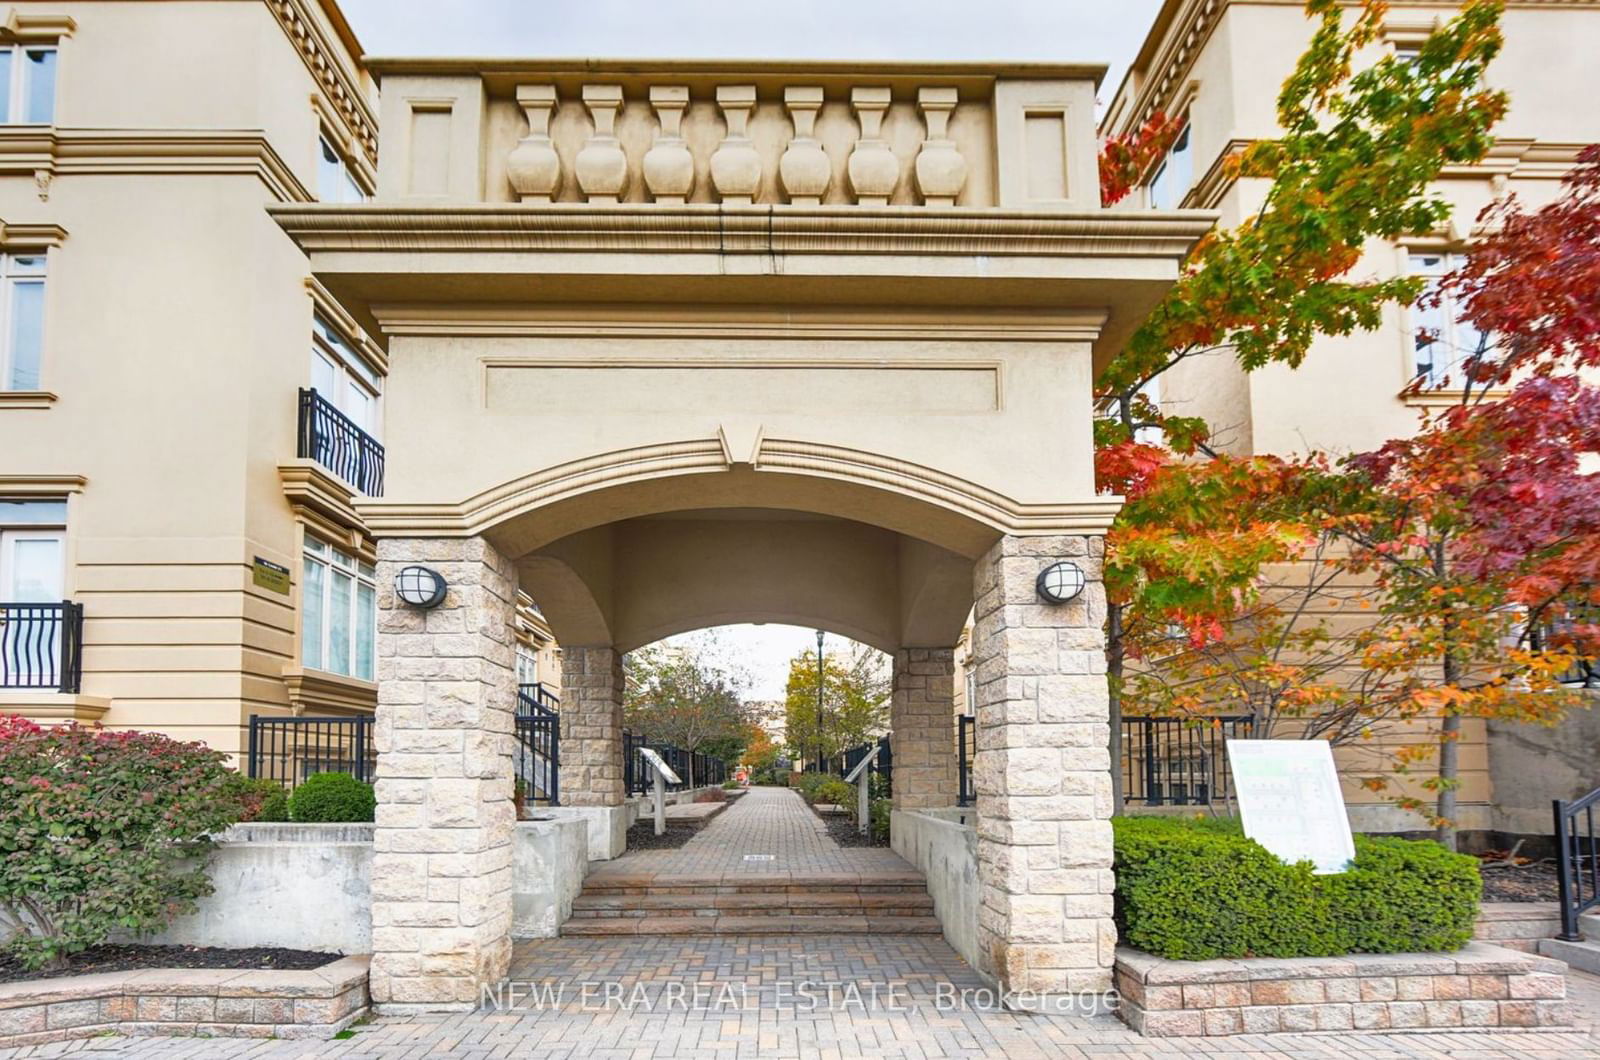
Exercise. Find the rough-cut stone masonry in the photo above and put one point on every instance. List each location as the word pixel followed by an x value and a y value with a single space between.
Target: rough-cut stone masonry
pixel 922 716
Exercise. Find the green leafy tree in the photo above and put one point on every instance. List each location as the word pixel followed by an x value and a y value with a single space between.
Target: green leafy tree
pixel 855 701
pixel 680 694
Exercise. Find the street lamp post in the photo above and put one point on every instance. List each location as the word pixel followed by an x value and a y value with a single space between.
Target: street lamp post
pixel 819 700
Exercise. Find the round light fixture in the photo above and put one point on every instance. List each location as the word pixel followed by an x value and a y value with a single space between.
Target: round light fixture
pixel 1060 582
pixel 420 587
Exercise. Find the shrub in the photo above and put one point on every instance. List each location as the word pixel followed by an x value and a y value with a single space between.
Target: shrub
pixel 253 794
pixel 880 819
pixel 101 832
pixel 731 785
pixel 332 798
pixel 837 792
pixel 274 808
pixel 806 784
pixel 711 795
pixel 1198 889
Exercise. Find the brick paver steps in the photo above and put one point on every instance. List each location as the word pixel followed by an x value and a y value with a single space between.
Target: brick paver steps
pixel 767 866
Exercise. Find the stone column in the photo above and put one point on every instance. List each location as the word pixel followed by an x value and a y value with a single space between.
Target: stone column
pixel 922 715
pixel 591 727
pixel 1043 773
pixel 441 869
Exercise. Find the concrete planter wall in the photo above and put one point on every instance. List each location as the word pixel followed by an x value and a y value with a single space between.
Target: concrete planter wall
pixel 309 886
pixel 943 845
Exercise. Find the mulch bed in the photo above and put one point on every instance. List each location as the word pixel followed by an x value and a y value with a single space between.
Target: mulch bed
pixel 134 958
pixel 1533 882
pixel 642 834
pixel 843 830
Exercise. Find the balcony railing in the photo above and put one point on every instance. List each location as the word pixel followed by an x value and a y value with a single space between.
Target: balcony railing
pixel 41 646
pixel 333 440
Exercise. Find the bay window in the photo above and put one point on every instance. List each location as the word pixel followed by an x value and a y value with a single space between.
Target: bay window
pixel 338 611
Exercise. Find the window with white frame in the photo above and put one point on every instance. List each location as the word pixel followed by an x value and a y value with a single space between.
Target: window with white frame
pixel 21 319
pixel 1175 174
pixel 33 544
pixel 342 378
pixel 1444 339
pixel 28 84
pixel 338 612
pixel 527 665
pixel 334 181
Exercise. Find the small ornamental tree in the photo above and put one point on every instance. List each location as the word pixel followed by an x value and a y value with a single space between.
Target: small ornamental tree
pixel 101 832
pixel 855 702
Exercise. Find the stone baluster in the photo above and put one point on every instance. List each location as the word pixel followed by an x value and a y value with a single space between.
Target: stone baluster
pixel 735 166
pixel 804 168
pixel 533 167
pixel 668 165
pixel 941 171
pixel 601 166
pixel 873 168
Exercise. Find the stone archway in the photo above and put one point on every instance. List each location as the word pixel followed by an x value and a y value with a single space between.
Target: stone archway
pixel 442 876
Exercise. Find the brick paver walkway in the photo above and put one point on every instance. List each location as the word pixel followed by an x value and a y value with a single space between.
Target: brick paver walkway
pixel 830 996
pixel 766 830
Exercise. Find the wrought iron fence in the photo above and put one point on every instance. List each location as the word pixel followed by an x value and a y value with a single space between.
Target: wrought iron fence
pixel 1179 761
pixel 694 769
pixel 1577 860
pixel 536 758
pixel 842 763
pixel 333 440
pixel 290 749
pixel 41 646
pixel 966 754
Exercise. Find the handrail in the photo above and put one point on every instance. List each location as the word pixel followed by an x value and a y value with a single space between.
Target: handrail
pixel 41 646
pixel 1576 851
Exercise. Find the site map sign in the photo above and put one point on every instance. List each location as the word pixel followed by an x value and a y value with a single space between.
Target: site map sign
pixel 1290 803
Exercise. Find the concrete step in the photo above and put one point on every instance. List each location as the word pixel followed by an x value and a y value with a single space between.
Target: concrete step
pixel 752 925
pixel 781 904
pixel 626 884
pixel 1589 926
pixel 1584 956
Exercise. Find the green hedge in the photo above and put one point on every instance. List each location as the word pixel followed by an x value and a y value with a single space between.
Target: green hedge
pixel 1196 889
pixel 327 798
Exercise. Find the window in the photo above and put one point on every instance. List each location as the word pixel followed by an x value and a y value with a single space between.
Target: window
pixel 1444 338
pixel 527 665
pixel 342 378
pixel 33 543
pixel 339 612
pixel 21 320
pixel 334 182
pixel 1175 175
pixel 27 84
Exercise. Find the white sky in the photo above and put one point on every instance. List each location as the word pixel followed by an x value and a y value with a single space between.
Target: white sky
pixel 1107 31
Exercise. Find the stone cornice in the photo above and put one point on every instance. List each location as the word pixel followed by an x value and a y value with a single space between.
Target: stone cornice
pixel 322 501
pixel 330 69
pixel 41 485
pixel 1182 28
pixel 486 509
pixel 1513 159
pixel 34 27
pixel 697 228
pixel 49 151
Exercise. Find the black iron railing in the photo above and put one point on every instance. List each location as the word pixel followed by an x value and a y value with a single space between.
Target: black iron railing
pixel 1179 761
pixel 333 440
pixel 966 754
pixel 536 759
pixel 845 761
pixel 1577 860
pixel 290 749
pixel 41 646
pixel 694 769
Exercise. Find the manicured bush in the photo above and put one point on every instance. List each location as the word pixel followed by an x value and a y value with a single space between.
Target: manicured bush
pixel 274 808
pixel 332 798
pixel 101 832
pixel 1196 889
pixel 731 785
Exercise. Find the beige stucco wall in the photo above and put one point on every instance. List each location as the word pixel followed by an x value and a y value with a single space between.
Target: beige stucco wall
pixel 177 330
